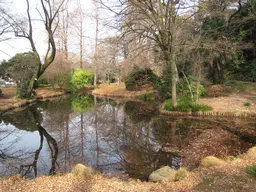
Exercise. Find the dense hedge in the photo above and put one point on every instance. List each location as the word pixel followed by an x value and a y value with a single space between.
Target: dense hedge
pixel 140 77
pixel 82 78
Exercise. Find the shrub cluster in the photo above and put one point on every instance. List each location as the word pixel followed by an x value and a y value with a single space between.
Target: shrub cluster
pixel 140 77
pixel 185 105
pixel 82 78
pixel 191 88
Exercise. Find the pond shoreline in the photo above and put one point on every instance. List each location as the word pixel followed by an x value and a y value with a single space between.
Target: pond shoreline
pixel 210 114
pixel 9 102
pixel 221 107
pixel 213 176
pixel 230 106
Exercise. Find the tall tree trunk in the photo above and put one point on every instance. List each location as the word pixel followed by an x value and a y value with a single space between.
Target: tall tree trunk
pixel 96 46
pixel 66 26
pixel 81 45
pixel 171 62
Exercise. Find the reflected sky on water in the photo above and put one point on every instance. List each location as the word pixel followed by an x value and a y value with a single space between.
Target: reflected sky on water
pixel 113 137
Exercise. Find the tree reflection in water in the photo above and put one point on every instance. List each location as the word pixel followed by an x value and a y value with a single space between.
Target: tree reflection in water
pixel 110 136
pixel 32 122
pixel 53 146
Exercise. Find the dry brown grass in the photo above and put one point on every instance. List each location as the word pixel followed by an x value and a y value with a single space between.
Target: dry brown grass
pixel 8 101
pixel 116 90
pixel 232 103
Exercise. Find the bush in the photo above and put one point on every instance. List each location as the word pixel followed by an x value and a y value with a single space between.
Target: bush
pixel 185 105
pixel 63 80
pixel 251 170
pixel 190 87
pixel 1 93
pixel 22 67
pixel 164 87
pixel 247 104
pixel 82 78
pixel 42 81
pixel 139 77
pixel 246 71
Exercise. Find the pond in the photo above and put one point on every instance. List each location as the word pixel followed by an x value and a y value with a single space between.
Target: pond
pixel 114 137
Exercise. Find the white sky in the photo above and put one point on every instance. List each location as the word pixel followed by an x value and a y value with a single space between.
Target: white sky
pixel 18 45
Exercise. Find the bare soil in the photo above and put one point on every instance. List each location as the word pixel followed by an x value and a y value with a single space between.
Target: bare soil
pixel 234 102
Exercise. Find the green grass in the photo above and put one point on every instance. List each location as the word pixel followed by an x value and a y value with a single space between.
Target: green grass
pixel 185 105
pixel 251 170
pixel 247 104
pixel 147 97
pixel 240 86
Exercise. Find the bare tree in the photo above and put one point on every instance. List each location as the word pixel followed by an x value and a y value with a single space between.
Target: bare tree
pixel 78 19
pixel 62 31
pixel 96 42
pixel 160 21
pixel 4 25
pixel 49 14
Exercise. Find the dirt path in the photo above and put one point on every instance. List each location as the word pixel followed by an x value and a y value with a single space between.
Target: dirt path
pixel 232 103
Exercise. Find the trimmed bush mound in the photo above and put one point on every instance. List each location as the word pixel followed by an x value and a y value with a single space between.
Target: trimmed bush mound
pixel 139 78
pixel 251 170
pixel 82 78
pixel 185 105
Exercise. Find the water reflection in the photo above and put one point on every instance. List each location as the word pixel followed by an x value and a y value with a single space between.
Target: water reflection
pixel 111 136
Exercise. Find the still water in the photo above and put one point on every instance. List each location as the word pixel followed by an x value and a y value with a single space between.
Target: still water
pixel 114 137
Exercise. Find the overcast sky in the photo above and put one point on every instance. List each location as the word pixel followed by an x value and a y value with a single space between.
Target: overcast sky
pixel 18 45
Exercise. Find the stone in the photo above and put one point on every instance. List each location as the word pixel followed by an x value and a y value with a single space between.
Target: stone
pixel 82 171
pixel 164 173
pixel 212 161
pixel 251 152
